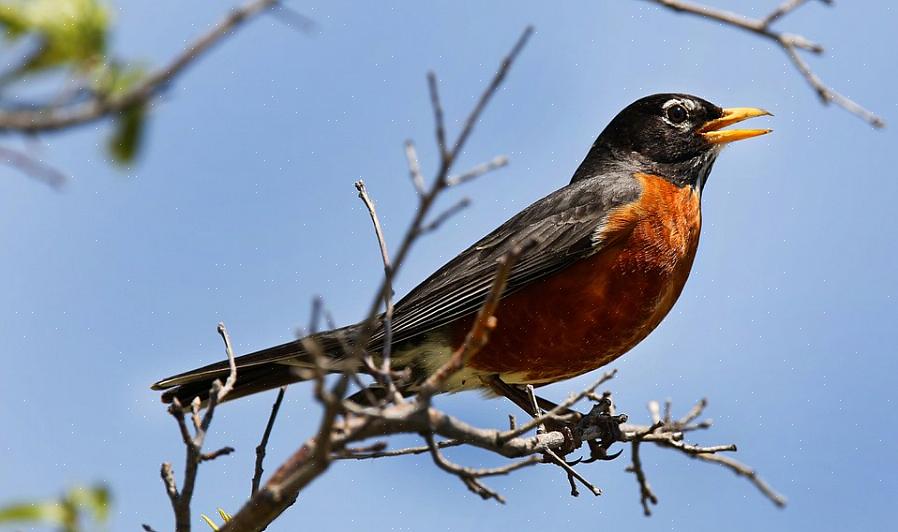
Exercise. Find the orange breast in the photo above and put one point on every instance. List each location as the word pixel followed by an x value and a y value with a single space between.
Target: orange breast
pixel 596 310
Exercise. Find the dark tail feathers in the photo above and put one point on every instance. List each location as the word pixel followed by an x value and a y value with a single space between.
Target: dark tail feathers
pixel 256 372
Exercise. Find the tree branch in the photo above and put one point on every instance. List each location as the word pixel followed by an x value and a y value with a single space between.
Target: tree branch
pixel 263 445
pixel 33 167
pixel 790 44
pixel 180 501
pixel 54 118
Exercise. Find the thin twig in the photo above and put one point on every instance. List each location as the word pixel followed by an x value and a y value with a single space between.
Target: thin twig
pixel 351 454
pixel 482 168
pixel 33 167
pixel 441 218
pixel 438 120
pixel 414 168
pixel 744 471
pixel 573 472
pixel 646 495
pixel 387 318
pixel 789 43
pixel 263 445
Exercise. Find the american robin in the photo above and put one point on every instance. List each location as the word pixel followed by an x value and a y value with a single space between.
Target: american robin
pixel 610 254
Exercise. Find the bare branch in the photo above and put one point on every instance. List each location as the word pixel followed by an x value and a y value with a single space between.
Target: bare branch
pixel 224 451
pixel 784 9
pixel 497 80
pixel 33 167
pixel 470 476
pixel 180 501
pixel 573 472
pixel 414 168
pixel 387 319
pixel 828 95
pixel 744 471
pixel 441 218
pixel 646 495
pixel 263 445
pixel 232 364
pixel 789 43
pixel 479 170
pixel 353 454
pixel 438 120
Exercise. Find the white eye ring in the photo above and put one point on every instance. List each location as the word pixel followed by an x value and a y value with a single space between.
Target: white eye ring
pixel 685 105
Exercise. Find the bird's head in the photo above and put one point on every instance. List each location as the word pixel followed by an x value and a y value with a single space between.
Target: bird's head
pixel 676 136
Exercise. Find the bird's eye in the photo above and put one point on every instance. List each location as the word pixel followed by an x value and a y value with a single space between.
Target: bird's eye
pixel 676 114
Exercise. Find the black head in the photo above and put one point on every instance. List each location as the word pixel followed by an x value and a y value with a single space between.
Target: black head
pixel 676 136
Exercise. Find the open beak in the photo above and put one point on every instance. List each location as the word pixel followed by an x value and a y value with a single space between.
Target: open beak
pixel 714 133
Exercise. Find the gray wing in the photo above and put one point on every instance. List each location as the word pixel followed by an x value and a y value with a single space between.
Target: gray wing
pixel 560 229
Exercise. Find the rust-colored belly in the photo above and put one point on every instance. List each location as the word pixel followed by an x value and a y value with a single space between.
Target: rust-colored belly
pixel 596 310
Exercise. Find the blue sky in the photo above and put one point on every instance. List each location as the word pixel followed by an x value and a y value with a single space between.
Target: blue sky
pixel 242 209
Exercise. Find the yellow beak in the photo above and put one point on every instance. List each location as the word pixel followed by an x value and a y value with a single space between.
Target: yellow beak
pixel 713 133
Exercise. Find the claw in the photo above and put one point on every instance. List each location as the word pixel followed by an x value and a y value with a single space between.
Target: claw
pixel 609 457
pixel 575 462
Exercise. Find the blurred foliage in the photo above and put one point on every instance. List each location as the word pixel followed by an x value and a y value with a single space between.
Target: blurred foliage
pixel 225 517
pixel 70 32
pixel 69 38
pixel 67 512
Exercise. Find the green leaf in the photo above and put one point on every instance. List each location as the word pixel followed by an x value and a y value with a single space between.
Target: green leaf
pixel 97 500
pixel 64 512
pixel 33 512
pixel 125 141
pixel 72 32
pixel 114 78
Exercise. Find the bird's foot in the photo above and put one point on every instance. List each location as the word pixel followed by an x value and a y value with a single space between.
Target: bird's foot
pixel 600 429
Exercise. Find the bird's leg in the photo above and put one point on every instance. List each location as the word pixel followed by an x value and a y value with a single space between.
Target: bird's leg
pixel 510 392
pixel 521 398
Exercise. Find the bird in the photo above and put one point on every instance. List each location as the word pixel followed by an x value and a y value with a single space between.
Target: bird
pixel 607 256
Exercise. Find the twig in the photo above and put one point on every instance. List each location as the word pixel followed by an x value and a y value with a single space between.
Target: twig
pixel 33 167
pixel 180 501
pixel 53 118
pixel 224 451
pixel 744 471
pixel 263 445
pixel 789 43
pixel 387 319
pixel 534 407
pixel 782 10
pixel 441 218
pixel 470 476
pixel 573 473
pixel 352 454
pixel 482 168
pixel 232 374
pixel 414 168
pixel 646 495
pixel 437 114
